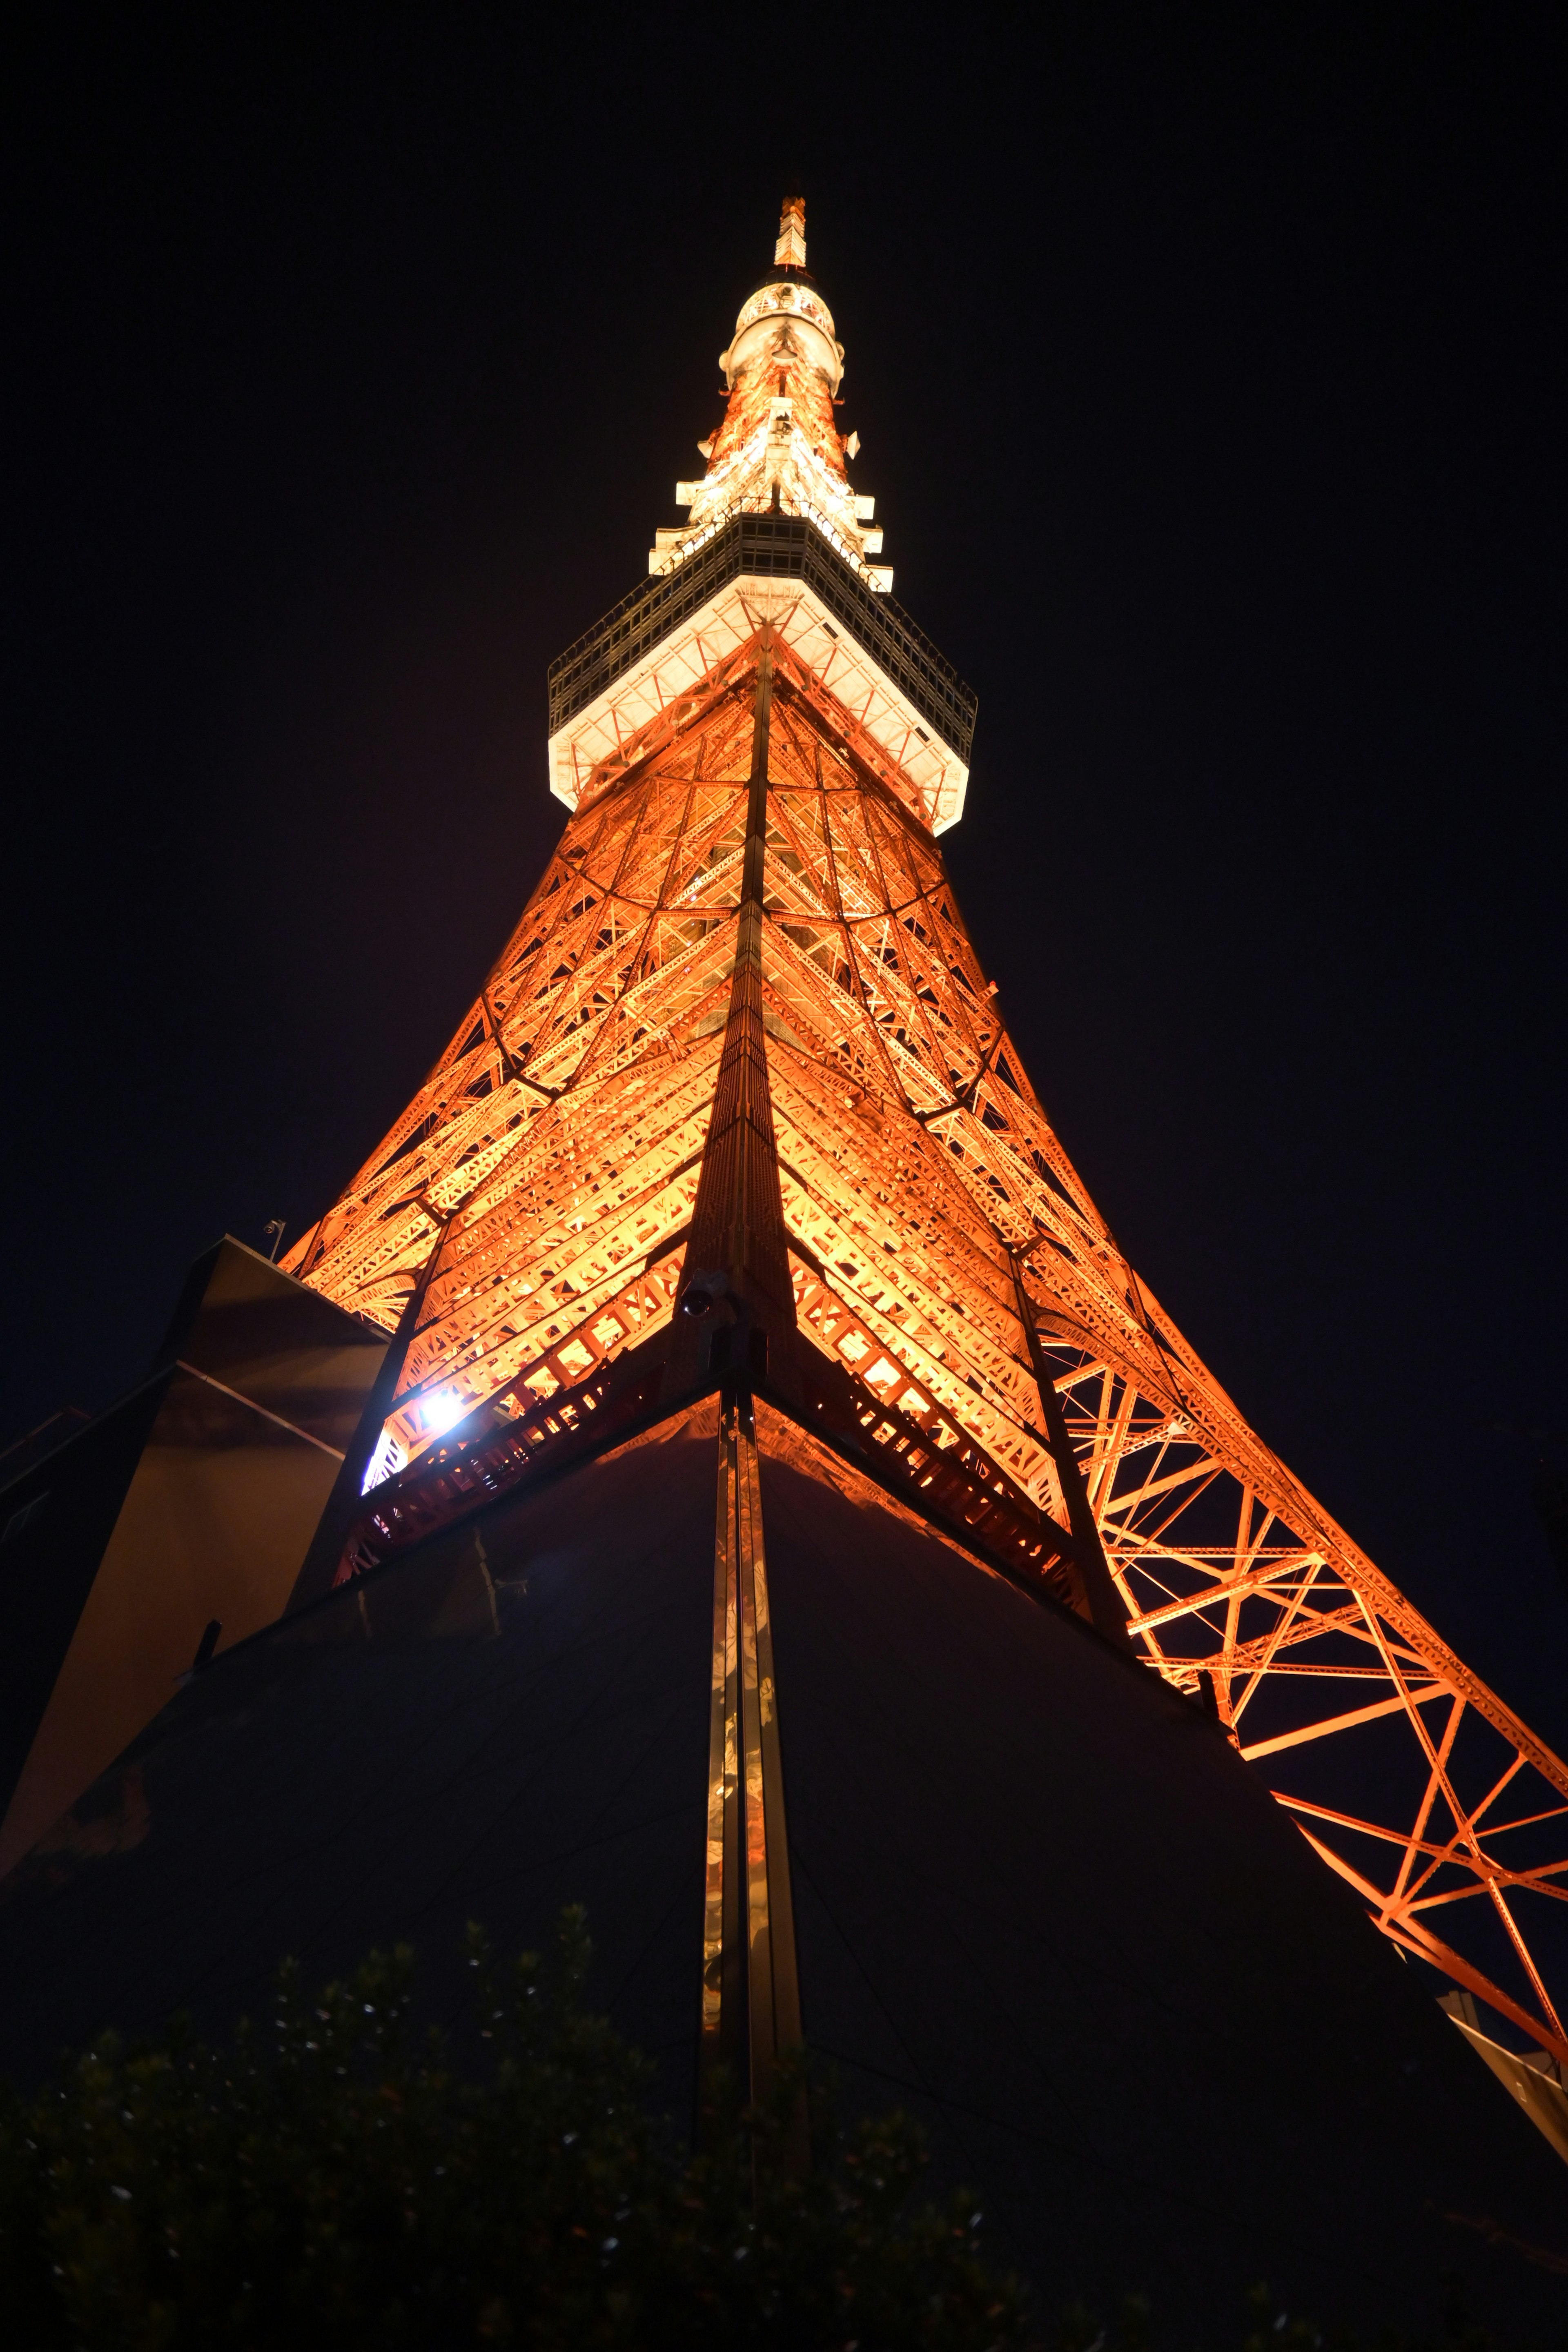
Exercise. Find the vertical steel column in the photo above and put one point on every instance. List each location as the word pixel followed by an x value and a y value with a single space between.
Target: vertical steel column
pixel 750 1994
pixel 772 1991
pixel 723 1942
pixel 737 1220
pixel 738 1283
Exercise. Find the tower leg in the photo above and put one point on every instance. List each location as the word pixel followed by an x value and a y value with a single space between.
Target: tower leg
pixel 724 2045
pixel 1099 1599
pixel 751 1995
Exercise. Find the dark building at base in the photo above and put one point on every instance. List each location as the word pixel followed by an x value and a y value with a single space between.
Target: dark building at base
pixel 1039 1900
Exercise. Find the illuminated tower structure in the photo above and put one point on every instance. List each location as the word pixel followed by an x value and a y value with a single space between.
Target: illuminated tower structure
pixel 782 1519
pixel 740 1058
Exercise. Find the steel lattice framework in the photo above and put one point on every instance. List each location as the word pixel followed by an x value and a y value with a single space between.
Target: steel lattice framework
pixel 747 809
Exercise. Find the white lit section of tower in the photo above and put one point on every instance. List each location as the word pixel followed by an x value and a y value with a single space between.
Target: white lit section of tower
pixel 779 450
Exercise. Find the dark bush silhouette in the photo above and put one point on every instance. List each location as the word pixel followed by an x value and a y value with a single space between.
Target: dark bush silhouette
pixel 332 2179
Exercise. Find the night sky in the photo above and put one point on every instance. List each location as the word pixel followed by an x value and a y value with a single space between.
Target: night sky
pixel 1209 370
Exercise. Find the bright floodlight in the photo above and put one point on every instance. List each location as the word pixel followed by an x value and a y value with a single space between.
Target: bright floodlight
pixel 443 1410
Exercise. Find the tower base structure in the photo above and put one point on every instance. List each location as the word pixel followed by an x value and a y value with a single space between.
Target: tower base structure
pixel 1036 1896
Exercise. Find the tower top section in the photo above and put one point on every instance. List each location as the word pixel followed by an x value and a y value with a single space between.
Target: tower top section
pixel 776 549
pixel 779 449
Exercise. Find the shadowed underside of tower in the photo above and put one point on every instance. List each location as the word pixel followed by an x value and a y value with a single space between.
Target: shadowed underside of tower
pixel 784 1519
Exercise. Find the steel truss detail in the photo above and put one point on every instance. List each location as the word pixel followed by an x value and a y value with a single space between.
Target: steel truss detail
pixel 1418 1785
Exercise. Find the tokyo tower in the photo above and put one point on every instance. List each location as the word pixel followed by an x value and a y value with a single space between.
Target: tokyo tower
pixel 736 1113
pixel 754 1497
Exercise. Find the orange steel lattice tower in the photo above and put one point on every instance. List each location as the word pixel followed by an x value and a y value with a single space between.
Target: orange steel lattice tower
pixel 736 1111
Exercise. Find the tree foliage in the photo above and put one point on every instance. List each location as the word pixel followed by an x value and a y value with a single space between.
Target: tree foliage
pixel 332 2179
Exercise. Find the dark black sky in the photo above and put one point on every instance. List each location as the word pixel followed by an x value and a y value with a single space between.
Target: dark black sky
pixel 1210 373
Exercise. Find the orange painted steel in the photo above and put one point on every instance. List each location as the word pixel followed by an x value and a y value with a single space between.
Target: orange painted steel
pixel 557 1146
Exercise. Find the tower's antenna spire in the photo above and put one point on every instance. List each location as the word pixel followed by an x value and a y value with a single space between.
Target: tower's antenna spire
pixel 780 450
pixel 789 253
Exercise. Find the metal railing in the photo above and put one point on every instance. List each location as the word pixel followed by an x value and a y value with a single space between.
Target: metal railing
pixel 770 547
